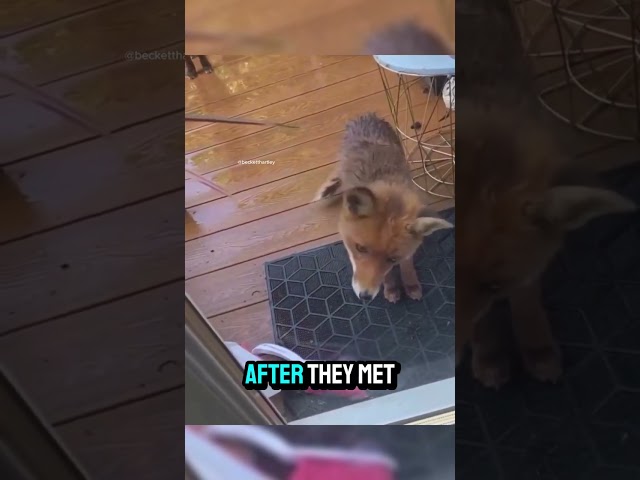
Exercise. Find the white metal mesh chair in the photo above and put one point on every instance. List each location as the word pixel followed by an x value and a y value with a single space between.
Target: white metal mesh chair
pixel 420 90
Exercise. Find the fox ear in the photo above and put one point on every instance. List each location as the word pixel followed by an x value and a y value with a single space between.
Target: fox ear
pixel 424 226
pixel 329 188
pixel 360 201
pixel 571 207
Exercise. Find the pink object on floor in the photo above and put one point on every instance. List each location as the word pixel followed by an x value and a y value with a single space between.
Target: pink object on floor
pixel 355 394
pixel 342 466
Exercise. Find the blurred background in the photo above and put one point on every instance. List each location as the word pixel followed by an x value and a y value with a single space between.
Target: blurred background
pixel 385 453
pixel 307 26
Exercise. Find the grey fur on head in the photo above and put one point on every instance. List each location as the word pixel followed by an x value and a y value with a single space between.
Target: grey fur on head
pixel 405 39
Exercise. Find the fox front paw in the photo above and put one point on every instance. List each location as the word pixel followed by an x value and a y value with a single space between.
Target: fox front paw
pixel 492 371
pixel 414 291
pixel 392 294
pixel 544 364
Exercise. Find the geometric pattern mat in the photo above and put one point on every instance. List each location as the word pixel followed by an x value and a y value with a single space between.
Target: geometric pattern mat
pixel 316 314
pixel 587 426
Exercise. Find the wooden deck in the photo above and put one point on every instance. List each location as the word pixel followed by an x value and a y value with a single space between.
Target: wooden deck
pixel 90 291
pixel 308 26
pixel 228 240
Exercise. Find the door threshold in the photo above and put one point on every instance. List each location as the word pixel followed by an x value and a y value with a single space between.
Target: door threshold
pixel 423 402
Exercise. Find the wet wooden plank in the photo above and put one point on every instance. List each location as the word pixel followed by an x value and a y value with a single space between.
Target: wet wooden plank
pixel 99 357
pixel 129 441
pixel 34 128
pixel 248 74
pixel 279 162
pixel 127 92
pixel 288 111
pixel 248 326
pixel 274 94
pixel 115 97
pixel 255 239
pixel 77 44
pixel 267 142
pixel 146 167
pixel 263 201
pixel 90 262
pixel 215 294
pixel 17 16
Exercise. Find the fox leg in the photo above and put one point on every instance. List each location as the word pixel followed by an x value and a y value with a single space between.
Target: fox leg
pixel 410 279
pixel 392 286
pixel 206 65
pixel 189 68
pixel 490 357
pixel 539 351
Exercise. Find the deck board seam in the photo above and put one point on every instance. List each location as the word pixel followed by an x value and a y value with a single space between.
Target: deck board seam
pixel 91 306
pixel 69 16
pixel 259 256
pixel 194 109
pixel 117 405
pixel 91 216
pixel 192 152
pixel 189 132
pixel 92 138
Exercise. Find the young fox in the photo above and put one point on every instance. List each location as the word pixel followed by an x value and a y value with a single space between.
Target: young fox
pixel 383 216
pixel 513 209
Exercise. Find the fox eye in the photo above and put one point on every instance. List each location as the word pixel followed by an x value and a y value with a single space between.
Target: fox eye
pixel 361 249
pixel 392 259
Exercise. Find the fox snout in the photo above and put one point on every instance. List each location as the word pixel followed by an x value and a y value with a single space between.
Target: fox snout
pixel 363 291
pixel 366 280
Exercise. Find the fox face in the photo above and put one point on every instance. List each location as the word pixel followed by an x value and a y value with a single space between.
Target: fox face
pixel 381 226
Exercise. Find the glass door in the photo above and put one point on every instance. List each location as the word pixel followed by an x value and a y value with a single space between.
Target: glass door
pixel 213 392
pixel 29 449
pixel 215 395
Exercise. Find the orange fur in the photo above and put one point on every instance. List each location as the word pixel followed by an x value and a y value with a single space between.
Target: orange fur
pixel 385 234
pixel 383 218
pixel 513 211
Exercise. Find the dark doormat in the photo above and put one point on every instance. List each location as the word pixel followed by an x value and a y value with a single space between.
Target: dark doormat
pixel 316 314
pixel 587 427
